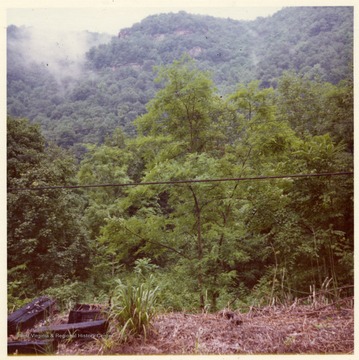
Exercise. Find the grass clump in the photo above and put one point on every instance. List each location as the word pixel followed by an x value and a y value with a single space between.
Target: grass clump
pixel 133 306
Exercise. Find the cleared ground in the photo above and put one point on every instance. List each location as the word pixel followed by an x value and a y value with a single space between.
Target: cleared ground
pixel 296 329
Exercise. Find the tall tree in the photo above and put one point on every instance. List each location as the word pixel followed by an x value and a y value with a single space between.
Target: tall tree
pixel 203 224
pixel 314 107
pixel 185 109
pixel 226 237
pixel 46 241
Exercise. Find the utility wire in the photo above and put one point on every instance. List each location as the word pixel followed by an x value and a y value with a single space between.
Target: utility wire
pixel 175 182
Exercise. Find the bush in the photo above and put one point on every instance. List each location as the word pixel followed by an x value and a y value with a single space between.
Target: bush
pixel 68 294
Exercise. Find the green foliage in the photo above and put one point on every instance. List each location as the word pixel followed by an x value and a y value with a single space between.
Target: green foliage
pixel 208 244
pixel 179 290
pixel 143 267
pixel 314 107
pixel 310 47
pixel 16 295
pixel 184 109
pixel 68 294
pixel 133 306
pixel 46 239
pixel 220 241
pixel 117 82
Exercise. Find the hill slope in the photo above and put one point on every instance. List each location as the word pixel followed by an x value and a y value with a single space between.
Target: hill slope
pixel 87 100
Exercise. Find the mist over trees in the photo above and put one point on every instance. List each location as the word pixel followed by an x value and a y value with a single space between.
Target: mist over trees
pixel 81 98
pixel 176 97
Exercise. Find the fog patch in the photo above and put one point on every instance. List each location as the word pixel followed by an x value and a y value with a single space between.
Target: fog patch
pixel 62 53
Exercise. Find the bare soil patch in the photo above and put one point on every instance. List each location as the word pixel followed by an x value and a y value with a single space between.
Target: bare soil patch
pixel 326 329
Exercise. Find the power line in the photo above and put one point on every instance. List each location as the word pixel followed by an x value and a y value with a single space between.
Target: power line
pixel 176 182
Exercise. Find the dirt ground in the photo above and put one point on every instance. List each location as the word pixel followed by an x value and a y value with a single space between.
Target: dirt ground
pixel 296 329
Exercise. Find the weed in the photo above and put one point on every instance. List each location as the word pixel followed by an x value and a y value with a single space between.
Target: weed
pixel 133 307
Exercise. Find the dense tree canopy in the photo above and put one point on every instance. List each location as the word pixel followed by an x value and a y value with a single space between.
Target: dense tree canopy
pixel 164 102
pixel 46 240
pixel 114 85
pixel 221 240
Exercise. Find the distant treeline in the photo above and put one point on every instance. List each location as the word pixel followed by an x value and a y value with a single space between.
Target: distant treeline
pixel 83 100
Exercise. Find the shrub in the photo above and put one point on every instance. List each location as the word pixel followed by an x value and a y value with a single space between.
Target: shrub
pixel 67 294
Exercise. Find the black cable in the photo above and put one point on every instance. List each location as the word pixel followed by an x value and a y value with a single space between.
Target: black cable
pixel 174 182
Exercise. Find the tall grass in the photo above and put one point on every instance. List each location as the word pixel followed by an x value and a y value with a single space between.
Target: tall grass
pixel 133 306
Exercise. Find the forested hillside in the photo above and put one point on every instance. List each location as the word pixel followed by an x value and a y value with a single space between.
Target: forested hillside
pixel 84 101
pixel 196 164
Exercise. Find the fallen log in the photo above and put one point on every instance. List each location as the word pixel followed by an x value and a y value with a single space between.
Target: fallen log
pixel 31 347
pixel 27 316
pixel 82 330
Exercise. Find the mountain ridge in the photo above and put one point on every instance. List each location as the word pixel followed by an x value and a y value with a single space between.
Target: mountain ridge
pixel 116 80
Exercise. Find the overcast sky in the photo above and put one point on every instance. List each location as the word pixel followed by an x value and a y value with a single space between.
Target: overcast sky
pixel 112 16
